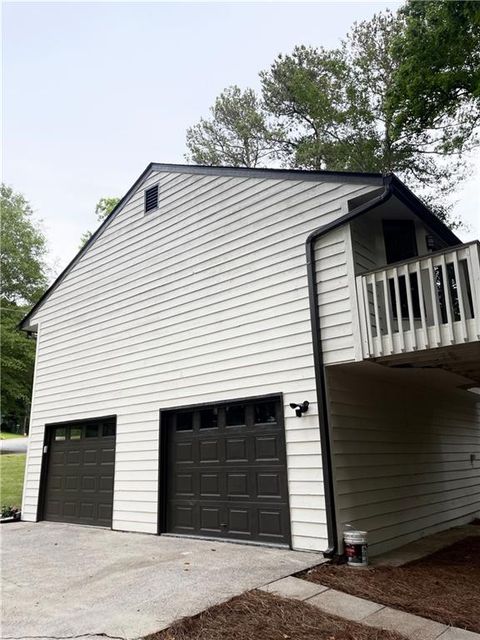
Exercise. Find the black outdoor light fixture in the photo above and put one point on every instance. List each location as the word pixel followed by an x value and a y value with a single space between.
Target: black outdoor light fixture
pixel 300 408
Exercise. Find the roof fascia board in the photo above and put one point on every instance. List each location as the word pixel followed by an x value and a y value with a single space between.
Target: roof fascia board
pixel 304 175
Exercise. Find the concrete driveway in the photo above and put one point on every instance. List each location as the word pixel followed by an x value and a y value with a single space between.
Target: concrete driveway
pixel 63 581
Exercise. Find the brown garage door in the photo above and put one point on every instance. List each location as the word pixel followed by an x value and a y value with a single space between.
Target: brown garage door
pixel 79 478
pixel 226 472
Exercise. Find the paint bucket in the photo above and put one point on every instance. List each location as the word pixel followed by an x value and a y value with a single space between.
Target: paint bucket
pixel 356 548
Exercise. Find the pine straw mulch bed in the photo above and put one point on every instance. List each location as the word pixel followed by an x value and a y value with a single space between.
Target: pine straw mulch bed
pixel 444 586
pixel 257 615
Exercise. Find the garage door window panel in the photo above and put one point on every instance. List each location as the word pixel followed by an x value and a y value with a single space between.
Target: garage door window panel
pixel 185 421
pixel 109 430
pixel 235 415
pixel 265 413
pixel 92 430
pixel 208 419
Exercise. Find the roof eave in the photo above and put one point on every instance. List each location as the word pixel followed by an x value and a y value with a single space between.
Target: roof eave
pixel 277 174
pixel 403 193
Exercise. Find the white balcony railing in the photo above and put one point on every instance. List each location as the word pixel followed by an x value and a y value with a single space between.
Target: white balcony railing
pixel 422 303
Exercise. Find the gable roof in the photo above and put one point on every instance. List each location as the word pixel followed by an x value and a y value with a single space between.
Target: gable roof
pixel 278 174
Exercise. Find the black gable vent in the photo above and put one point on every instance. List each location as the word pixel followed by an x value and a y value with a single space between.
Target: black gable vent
pixel 151 198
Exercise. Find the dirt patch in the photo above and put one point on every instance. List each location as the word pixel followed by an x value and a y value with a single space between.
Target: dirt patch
pixel 262 616
pixel 442 586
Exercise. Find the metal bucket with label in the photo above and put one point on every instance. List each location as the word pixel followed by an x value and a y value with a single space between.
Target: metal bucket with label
pixel 356 548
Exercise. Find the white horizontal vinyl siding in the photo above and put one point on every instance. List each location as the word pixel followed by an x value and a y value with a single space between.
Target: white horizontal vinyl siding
pixel 402 455
pixel 202 300
pixel 336 296
pixel 367 238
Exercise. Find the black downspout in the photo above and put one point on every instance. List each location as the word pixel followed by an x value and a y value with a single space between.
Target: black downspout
pixel 321 384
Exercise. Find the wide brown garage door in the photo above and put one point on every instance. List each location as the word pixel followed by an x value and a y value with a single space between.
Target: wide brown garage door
pixel 226 472
pixel 79 473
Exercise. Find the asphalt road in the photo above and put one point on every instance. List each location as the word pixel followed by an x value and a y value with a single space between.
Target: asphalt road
pixel 14 445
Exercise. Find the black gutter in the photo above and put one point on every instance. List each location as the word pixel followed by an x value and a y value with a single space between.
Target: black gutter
pixel 321 384
pixel 392 187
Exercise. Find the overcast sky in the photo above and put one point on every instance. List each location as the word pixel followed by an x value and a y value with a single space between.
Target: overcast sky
pixel 95 91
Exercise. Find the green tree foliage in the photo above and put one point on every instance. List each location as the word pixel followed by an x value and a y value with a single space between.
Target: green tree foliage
pixel 104 207
pixel 335 106
pixel 423 157
pixel 438 79
pixel 312 94
pixel 22 250
pixel 24 279
pixel 333 109
pixel 17 363
pixel 238 133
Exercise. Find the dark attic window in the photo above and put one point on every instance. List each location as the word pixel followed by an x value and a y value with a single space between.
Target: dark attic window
pixel 151 198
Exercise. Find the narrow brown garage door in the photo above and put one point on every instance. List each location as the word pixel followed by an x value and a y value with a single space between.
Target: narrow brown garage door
pixel 79 479
pixel 226 472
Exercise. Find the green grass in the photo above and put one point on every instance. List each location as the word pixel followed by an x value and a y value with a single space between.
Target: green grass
pixel 12 468
pixel 6 435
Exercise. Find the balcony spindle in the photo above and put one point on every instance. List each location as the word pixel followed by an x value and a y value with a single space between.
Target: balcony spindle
pixel 388 312
pixel 447 297
pixel 368 317
pixel 461 304
pixel 398 308
pixel 378 325
pixel 423 319
pixel 411 319
pixel 473 263
pixel 434 298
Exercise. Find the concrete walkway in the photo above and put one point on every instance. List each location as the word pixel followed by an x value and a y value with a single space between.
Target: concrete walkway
pixel 365 611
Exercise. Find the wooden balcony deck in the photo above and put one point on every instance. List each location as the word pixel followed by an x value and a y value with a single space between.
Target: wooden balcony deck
pixel 424 303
